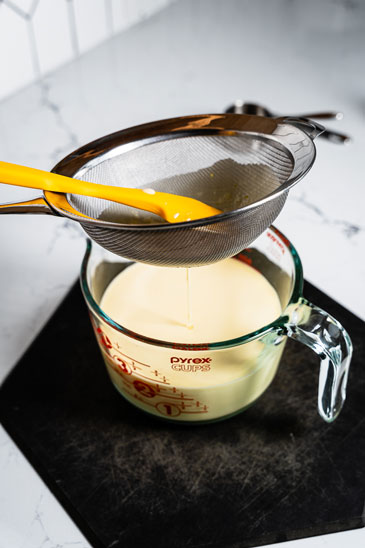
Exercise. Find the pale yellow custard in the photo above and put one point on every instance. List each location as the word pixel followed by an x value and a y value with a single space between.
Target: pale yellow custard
pixel 227 300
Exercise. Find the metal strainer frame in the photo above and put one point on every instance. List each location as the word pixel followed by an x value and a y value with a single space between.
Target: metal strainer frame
pixel 143 242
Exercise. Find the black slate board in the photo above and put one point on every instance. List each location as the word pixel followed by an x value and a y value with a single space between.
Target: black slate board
pixel 276 472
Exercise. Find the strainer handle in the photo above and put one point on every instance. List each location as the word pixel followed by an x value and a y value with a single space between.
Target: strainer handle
pixel 35 206
pixel 315 328
pixel 311 128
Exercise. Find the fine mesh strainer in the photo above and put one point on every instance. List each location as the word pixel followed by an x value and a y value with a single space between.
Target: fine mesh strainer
pixel 242 165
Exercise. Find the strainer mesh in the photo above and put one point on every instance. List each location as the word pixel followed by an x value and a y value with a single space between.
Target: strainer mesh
pixel 228 172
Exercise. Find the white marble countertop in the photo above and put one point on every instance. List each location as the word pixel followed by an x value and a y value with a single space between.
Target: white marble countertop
pixel 196 56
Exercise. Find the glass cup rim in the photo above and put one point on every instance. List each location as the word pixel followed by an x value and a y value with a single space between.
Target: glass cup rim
pixel 277 324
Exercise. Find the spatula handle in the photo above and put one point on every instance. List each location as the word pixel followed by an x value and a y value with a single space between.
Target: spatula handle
pixel 13 174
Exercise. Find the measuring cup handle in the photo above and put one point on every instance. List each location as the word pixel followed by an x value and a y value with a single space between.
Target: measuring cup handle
pixel 325 335
pixel 38 205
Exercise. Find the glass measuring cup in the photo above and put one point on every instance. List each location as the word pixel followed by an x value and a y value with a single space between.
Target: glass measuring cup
pixel 210 381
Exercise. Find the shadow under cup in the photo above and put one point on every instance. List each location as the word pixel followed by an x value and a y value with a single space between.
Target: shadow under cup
pixel 206 381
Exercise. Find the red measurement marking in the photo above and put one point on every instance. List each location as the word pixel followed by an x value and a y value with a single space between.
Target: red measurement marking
pixel 144 389
pixel 275 240
pixel 282 237
pixel 112 364
pixel 168 409
pixel 246 260
pixel 197 403
pixel 107 353
pixel 104 339
pixel 174 389
pixel 118 365
pixel 125 355
pixel 177 398
pixel 123 366
pixel 153 380
pixel 132 360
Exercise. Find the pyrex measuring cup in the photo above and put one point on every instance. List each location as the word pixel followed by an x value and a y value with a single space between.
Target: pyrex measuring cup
pixel 209 381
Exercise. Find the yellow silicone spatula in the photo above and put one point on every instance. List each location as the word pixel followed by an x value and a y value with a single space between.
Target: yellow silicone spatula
pixel 172 208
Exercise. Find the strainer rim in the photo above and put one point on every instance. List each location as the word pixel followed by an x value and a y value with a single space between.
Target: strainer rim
pixel 94 150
